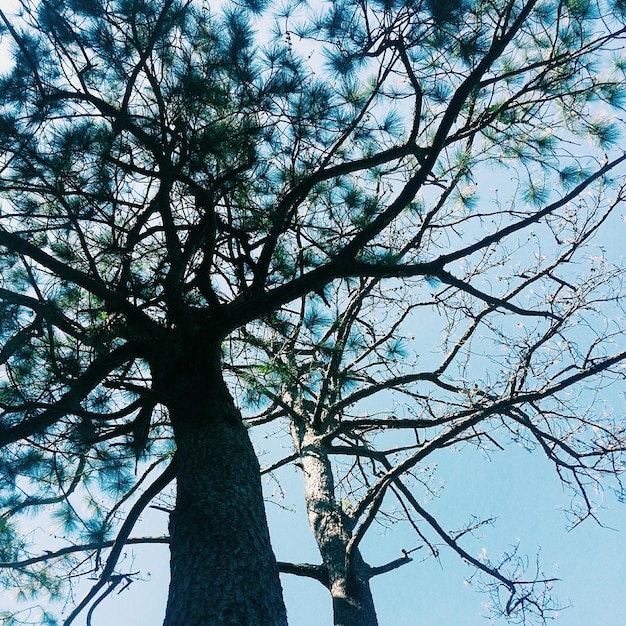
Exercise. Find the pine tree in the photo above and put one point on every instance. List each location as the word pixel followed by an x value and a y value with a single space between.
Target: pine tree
pixel 195 201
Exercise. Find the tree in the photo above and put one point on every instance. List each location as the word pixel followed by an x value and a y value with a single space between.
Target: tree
pixel 190 209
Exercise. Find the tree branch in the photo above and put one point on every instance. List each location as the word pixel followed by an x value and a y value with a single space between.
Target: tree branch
pixel 318 572
pixel 122 537
pixel 389 567
pixel 86 382
pixel 86 547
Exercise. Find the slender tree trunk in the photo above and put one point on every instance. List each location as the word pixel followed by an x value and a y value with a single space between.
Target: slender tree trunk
pixel 223 569
pixel 348 579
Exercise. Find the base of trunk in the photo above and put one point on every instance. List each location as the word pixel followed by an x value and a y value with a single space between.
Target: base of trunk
pixel 348 582
pixel 355 606
pixel 223 569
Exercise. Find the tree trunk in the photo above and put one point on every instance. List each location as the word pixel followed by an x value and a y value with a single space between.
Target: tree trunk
pixel 348 579
pixel 223 569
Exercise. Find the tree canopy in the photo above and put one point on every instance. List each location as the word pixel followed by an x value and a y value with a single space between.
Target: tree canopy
pixel 372 223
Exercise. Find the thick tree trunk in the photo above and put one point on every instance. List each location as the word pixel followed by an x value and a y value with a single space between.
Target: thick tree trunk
pixel 348 579
pixel 223 569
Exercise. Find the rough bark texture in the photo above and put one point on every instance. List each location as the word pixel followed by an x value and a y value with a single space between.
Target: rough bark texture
pixel 348 579
pixel 223 569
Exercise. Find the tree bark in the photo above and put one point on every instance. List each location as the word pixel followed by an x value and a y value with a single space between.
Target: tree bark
pixel 223 569
pixel 347 578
